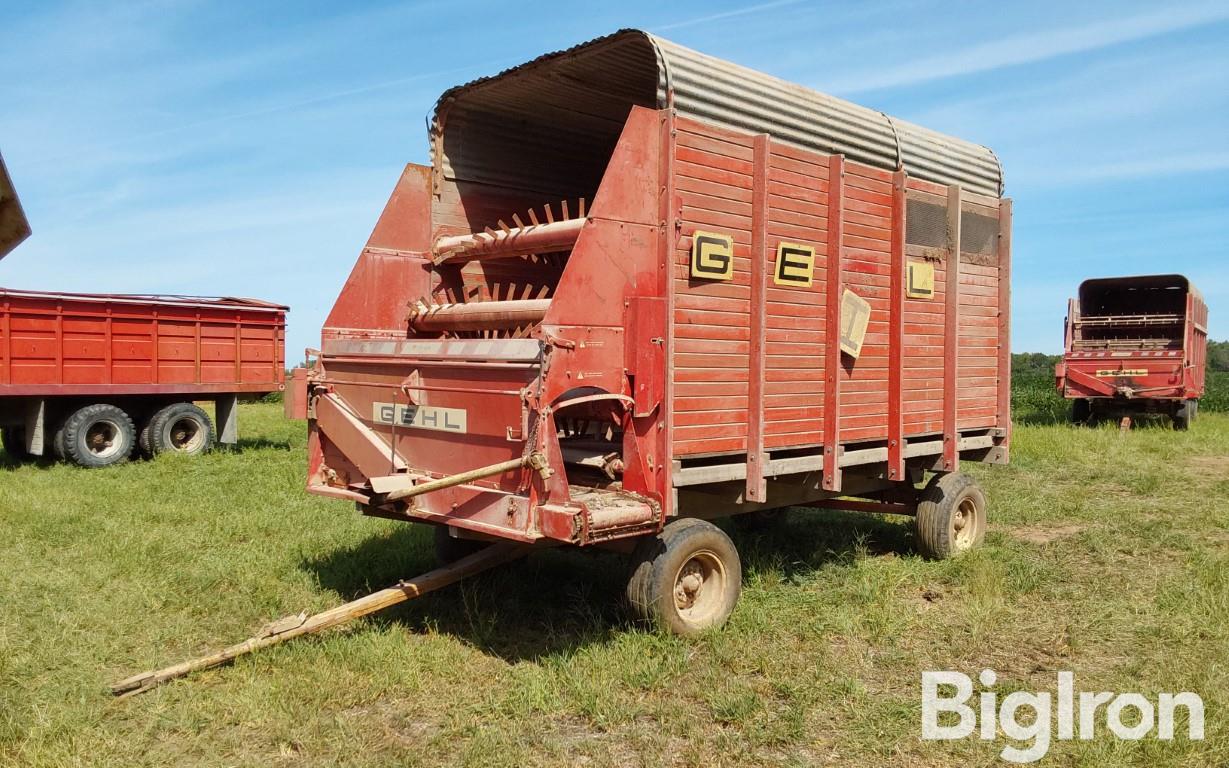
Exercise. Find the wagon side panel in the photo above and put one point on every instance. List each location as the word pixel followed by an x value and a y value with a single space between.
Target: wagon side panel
pixel 713 182
pixel 796 322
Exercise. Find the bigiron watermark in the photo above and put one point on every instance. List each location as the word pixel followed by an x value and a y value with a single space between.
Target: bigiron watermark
pixel 1034 719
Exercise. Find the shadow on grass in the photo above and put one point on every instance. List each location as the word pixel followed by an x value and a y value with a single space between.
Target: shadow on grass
pixel 558 600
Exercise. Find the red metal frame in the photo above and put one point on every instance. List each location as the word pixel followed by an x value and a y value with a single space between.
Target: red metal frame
pixel 951 331
pixel 832 352
pixel 623 323
pixel 896 332
pixel 1004 340
pixel 757 486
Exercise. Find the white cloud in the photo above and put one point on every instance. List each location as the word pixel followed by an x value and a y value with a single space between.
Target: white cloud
pixel 725 15
pixel 1033 47
pixel 1120 170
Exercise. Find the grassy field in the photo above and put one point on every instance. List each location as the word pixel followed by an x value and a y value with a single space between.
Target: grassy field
pixel 1108 555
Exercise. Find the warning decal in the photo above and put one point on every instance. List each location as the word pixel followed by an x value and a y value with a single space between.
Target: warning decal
pixel 795 265
pixel 921 281
pixel 712 256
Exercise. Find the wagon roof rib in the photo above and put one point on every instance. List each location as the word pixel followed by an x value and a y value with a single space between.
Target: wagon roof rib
pixel 622 66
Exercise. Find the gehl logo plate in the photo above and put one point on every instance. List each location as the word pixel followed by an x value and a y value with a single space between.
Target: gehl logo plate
pixel 420 417
pixel 712 256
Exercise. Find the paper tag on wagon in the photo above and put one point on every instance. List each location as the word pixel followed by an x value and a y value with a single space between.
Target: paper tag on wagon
pixel 855 315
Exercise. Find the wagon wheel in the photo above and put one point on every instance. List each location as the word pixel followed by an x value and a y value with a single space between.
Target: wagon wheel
pixel 181 428
pixel 951 516
pixel 98 436
pixel 1184 414
pixel 685 579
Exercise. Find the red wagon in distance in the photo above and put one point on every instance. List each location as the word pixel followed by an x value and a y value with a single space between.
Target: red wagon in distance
pixel 640 287
pixel 1135 345
pixel 94 377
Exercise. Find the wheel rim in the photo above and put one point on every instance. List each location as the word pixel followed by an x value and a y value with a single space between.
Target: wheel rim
pixel 965 522
pixel 185 434
pixel 103 439
pixel 699 588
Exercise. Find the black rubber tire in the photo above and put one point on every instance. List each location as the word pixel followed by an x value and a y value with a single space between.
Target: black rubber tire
pixel 58 449
pixel 143 427
pixel 179 428
pixel 1185 414
pixel 98 435
pixel 1081 411
pixel 449 549
pixel 691 550
pixel 14 441
pixel 949 503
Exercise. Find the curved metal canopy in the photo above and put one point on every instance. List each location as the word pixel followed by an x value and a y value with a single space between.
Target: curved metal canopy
pixel 593 85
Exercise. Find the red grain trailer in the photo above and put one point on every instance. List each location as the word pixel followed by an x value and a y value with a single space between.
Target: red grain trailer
pixel 1135 345
pixel 639 287
pixel 90 377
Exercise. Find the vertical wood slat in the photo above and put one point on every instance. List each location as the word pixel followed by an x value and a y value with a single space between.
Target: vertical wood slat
pixel 832 344
pixel 59 343
pixel 1004 393
pixel 155 355
pixel 238 347
pixel 669 215
pixel 197 331
pixel 108 350
pixel 896 332
pixel 6 375
pixel 757 487
pixel 951 332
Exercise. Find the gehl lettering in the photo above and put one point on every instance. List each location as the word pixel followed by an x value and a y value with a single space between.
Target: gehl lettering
pixel 712 256
pixel 421 417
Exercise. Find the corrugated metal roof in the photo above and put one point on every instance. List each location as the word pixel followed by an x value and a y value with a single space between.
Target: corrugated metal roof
pixel 598 81
pixel 13 225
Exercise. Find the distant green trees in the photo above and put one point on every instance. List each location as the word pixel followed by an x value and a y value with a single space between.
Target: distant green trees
pixel 1218 355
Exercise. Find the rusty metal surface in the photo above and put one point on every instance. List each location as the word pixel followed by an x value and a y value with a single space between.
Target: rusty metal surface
pixel 594 84
pixel 14 228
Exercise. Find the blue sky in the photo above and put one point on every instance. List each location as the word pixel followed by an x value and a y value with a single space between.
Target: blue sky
pixel 247 148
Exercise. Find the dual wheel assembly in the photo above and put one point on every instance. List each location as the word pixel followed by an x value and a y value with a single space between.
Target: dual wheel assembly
pixel 101 434
pixel 688 577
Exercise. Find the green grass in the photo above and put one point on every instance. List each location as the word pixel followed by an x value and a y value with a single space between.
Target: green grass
pixel 1108 555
